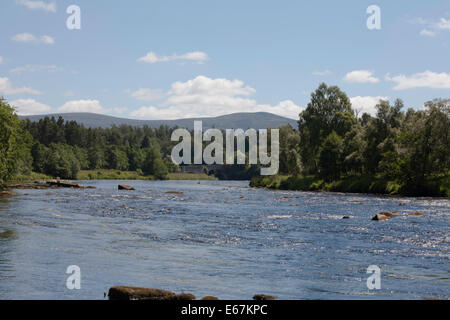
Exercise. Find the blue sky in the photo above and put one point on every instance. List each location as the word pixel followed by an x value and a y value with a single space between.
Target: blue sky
pixel 176 59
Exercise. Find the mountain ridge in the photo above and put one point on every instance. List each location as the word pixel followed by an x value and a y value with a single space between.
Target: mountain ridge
pixel 242 120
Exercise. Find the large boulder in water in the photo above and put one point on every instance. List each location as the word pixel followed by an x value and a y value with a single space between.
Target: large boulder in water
pixel 125 187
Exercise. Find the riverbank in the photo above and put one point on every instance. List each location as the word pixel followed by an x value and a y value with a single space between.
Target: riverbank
pixel 436 187
pixel 107 174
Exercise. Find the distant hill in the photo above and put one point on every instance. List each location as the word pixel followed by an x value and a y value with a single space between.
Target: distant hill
pixel 258 120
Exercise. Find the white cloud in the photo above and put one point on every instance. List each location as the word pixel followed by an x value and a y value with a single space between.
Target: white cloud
pixel 206 97
pixel 366 104
pixel 427 33
pixel 443 24
pixel 196 56
pixel 322 73
pixel 24 37
pixel 7 88
pixel 361 76
pixel 35 68
pixel 36 5
pixel 202 85
pixel 30 38
pixel 83 106
pixel 145 94
pixel 286 108
pixel 425 79
pixel 25 107
pixel 432 28
pixel 47 40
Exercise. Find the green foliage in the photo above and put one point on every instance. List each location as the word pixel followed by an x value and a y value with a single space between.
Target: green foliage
pixel 110 174
pixel 391 152
pixel 117 158
pixel 290 160
pixel 118 148
pixel 329 110
pixel 331 157
pixel 61 161
pixel 15 155
pixel 154 165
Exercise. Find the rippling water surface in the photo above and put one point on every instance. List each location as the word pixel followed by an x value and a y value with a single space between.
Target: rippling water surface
pixel 221 238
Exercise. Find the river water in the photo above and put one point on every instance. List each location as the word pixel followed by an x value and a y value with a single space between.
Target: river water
pixel 221 238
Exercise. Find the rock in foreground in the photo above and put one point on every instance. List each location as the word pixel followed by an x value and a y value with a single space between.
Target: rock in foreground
pixel 125 187
pixel 210 298
pixel 262 297
pixel 137 293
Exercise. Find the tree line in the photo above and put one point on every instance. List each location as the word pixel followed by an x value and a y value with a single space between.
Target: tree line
pixel 332 141
pixel 61 148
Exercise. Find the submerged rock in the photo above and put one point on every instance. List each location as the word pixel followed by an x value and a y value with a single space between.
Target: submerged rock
pixel 389 214
pixel 174 192
pixel 6 194
pixel 345 217
pixel 261 297
pixel 380 217
pixel 415 214
pixel 125 187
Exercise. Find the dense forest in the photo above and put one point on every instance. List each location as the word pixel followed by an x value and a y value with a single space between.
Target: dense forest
pixel 60 149
pixel 395 151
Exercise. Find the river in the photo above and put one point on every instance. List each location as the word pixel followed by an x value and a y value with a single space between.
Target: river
pixel 221 238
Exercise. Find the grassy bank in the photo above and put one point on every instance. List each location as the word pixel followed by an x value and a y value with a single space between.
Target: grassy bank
pixel 33 176
pixel 190 176
pixel 105 174
pixel 437 187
